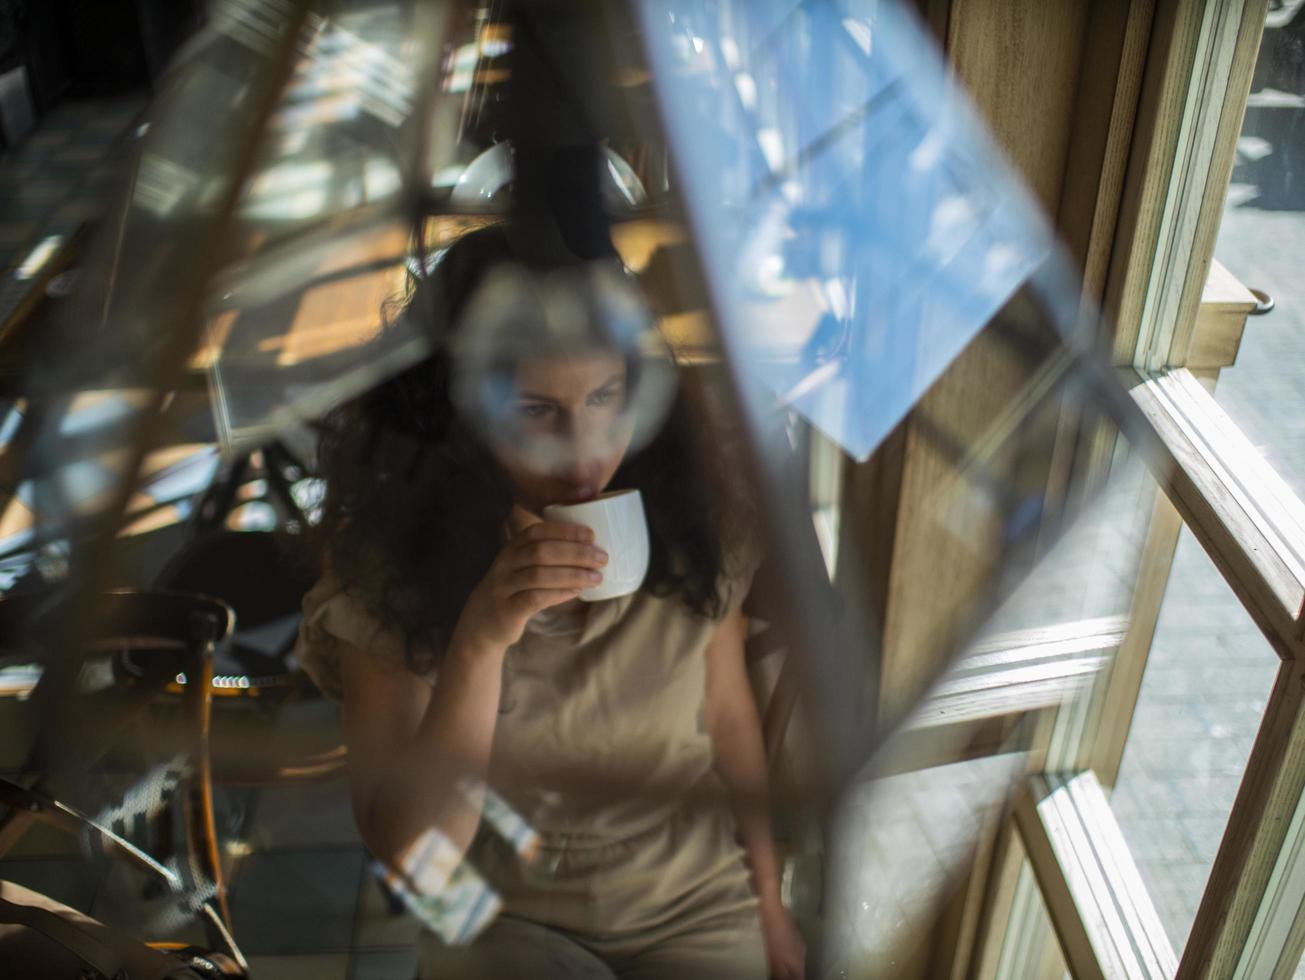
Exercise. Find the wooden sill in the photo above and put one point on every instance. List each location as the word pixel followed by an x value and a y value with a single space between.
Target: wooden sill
pixel 1220 320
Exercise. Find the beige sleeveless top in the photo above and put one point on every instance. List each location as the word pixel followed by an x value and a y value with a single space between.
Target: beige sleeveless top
pixel 600 733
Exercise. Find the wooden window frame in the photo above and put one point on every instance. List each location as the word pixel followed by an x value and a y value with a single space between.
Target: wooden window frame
pixel 1243 513
pixel 1136 187
pixel 1094 894
pixel 1253 528
pixel 1198 64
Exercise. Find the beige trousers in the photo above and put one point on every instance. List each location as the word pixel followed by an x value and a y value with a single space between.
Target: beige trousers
pixel 517 948
pixel 672 903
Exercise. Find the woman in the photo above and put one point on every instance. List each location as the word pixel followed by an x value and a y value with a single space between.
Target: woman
pixel 449 628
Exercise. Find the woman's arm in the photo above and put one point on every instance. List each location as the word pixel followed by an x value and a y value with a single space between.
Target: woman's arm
pixel 411 745
pixel 413 749
pixel 735 729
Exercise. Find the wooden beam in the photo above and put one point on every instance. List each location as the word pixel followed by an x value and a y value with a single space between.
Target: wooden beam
pixel 999 902
pixel 1020 63
pixel 1229 84
pixel 1225 304
pixel 1277 937
pixel 1109 90
pixel 1118 696
pixel 991 700
pixel 953 959
pixel 1026 69
pixel 1102 128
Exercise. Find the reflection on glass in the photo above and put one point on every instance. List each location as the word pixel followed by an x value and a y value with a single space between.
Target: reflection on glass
pixel 904 842
pixel 587 320
pixel 856 225
pixel 420 384
pixel 330 145
pixel 912 819
pixel 287 340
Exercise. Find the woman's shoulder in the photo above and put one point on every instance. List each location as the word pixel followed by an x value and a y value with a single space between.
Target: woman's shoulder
pixel 337 622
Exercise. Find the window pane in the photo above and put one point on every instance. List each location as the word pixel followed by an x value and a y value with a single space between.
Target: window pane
pixel 1260 242
pixel 1202 699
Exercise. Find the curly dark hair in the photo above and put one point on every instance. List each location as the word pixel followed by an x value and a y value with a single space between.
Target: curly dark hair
pixel 415 504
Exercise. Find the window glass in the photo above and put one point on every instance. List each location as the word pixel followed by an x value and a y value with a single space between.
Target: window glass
pixel 1202 700
pixel 1260 243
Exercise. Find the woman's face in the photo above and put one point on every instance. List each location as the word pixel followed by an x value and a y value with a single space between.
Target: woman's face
pixel 570 433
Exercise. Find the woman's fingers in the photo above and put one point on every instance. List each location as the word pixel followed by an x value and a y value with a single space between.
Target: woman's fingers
pixel 554 531
pixel 533 600
pixel 552 552
pixel 551 577
pixel 547 564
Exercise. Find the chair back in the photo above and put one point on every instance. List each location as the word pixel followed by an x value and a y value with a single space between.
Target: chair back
pixel 248 570
pixel 129 647
pixel 120 620
pixel 253 573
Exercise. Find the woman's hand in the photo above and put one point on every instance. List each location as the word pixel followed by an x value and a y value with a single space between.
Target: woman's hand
pixel 543 565
pixel 786 953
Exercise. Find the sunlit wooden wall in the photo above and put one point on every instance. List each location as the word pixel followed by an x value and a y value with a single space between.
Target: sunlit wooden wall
pixel 1058 83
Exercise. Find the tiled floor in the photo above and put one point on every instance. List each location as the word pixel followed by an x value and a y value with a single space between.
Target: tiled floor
pixel 905 838
pixel 302 901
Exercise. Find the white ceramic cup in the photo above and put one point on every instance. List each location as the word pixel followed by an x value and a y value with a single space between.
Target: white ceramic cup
pixel 621 530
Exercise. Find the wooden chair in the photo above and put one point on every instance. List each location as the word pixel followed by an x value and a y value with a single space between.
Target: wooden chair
pixel 134 645
pixel 251 572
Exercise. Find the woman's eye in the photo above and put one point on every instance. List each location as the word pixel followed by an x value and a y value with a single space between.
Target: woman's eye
pixel 534 410
pixel 604 397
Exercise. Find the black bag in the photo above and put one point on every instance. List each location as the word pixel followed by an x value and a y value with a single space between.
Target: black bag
pixel 41 939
